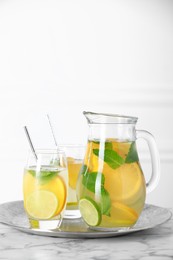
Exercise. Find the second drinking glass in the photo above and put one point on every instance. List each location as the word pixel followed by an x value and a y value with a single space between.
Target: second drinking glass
pixel 75 154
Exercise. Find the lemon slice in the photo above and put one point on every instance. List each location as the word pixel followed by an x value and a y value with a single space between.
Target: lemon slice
pixel 90 211
pixel 125 183
pixel 58 187
pixel 123 213
pixel 41 204
pixel 122 148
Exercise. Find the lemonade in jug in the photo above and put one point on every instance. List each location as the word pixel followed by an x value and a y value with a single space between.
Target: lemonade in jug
pixel 111 187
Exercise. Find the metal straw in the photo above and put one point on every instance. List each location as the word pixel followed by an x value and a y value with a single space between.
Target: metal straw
pixel 53 134
pixel 30 142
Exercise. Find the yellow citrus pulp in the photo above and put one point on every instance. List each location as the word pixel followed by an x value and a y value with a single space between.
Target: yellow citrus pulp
pixel 41 204
pixel 55 189
pixel 73 171
pixel 121 148
pixel 124 183
pixel 121 180
pixel 121 215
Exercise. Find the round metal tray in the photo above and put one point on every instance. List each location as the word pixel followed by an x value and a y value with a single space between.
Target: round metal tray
pixel 13 214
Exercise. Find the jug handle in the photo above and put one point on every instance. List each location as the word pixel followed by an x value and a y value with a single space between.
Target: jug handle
pixel 155 161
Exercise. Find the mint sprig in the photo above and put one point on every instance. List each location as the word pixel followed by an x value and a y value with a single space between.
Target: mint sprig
pixel 105 202
pixel 43 176
pixel 90 180
pixel 107 144
pixel 83 169
pixel 112 158
pixel 132 155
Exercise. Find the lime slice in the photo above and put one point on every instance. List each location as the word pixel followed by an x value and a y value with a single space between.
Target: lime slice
pixel 90 211
pixel 41 204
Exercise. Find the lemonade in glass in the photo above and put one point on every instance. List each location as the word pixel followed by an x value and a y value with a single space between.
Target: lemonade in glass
pixel 75 155
pixel 45 189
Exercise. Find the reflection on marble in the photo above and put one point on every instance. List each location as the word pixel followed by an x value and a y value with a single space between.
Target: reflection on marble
pixel 156 243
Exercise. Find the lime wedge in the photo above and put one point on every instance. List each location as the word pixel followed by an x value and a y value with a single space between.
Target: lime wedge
pixel 90 211
pixel 41 204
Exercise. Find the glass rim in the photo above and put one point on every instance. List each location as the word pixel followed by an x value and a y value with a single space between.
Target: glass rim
pixel 106 118
pixel 47 151
pixel 71 145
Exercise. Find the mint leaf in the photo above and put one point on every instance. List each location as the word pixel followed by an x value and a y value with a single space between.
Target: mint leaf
pixel 89 180
pixel 95 142
pixel 112 158
pixel 132 155
pixel 105 202
pixel 83 169
pixel 108 145
pixel 32 172
pixel 44 179
pixel 46 173
pixel 43 176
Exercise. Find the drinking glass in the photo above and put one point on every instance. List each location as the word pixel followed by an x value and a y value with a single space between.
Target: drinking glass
pixel 45 188
pixel 75 155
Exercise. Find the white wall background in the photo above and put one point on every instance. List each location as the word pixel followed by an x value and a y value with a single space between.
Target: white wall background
pixel 62 57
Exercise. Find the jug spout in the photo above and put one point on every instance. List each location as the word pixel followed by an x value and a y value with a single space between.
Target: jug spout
pixel 102 118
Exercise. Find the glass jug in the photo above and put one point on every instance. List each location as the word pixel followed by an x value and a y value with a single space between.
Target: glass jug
pixel 111 187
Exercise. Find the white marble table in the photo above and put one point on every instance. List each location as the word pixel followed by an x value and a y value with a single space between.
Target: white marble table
pixel 156 243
